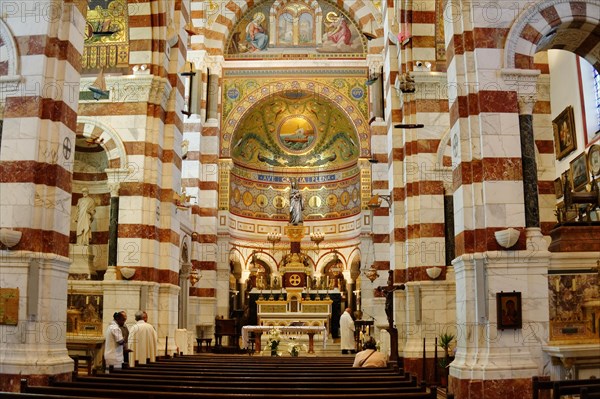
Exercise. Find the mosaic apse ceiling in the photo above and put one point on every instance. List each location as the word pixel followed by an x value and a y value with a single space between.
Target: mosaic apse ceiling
pixel 295 129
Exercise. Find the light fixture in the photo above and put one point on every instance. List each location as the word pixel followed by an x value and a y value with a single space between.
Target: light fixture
pixel 194 277
pixel 372 79
pixel 377 199
pixel 409 126
pixel 98 88
pixel 371 273
pixel 189 72
pixel 317 237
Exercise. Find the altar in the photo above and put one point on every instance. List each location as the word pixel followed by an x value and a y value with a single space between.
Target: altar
pixel 308 330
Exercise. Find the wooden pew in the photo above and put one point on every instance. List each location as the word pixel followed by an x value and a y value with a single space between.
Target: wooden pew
pixel 246 381
pixel 20 395
pixel 270 389
pixel 589 393
pixel 70 392
pixel 559 388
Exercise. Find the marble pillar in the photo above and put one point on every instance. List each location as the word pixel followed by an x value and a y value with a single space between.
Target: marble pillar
pixel 529 165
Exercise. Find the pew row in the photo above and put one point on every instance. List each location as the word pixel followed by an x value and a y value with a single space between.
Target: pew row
pixel 566 387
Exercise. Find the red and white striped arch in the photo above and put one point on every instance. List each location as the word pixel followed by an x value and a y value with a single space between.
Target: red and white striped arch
pixel 110 140
pixel 540 19
pixel 9 60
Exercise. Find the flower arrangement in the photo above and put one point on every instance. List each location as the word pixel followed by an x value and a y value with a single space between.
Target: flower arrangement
pixel 294 348
pixel 273 340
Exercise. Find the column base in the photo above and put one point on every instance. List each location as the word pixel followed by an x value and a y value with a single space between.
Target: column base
pixel 12 382
pixel 517 388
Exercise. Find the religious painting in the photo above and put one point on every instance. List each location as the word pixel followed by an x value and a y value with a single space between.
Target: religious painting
pixel 558 187
pixel 508 310
pixel 594 159
pixel 252 33
pixel 295 29
pixel 565 141
pixel 106 34
pixel 340 35
pixel 579 172
pixel 296 134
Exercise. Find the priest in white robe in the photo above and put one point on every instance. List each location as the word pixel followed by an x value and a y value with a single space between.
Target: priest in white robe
pixel 347 342
pixel 142 340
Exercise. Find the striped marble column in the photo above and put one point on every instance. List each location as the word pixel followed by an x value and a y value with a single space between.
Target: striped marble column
pixel 41 45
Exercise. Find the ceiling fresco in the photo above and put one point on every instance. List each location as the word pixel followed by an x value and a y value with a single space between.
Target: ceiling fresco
pixel 295 129
pixel 310 28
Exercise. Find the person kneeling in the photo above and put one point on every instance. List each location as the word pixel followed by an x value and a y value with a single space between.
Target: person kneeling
pixel 369 356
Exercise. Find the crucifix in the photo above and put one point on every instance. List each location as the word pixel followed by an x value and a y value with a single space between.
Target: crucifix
pixel 389 290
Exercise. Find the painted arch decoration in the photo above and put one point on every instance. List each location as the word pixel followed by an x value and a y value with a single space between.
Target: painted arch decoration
pixel 349 107
pixel 310 28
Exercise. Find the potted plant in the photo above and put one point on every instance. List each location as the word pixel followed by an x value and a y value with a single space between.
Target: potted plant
pixel 444 342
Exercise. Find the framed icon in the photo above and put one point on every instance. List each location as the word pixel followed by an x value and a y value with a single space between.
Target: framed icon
pixel 558 187
pixel 565 140
pixel 579 172
pixel 594 159
pixel 508 310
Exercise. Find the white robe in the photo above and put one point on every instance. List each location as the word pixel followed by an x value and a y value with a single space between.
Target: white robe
pixel 113 350
pixel 347 332
pixel 142 341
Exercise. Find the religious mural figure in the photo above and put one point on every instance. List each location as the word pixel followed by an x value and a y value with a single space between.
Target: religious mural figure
pixel 296 204
pixel 255 33
pixel 86 208
pixel 340 32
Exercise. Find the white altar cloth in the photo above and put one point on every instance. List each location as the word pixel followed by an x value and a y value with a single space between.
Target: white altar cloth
pixel 286 330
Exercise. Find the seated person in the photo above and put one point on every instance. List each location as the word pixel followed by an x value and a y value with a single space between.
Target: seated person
pixel 369 356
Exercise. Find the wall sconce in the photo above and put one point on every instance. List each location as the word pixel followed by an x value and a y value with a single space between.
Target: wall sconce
pixel 377 199
pixel 372 79
pixel 274 237
pixel 190 72
pixel 194 277
pixel 317 237
pixel 371 274
pixel 423 66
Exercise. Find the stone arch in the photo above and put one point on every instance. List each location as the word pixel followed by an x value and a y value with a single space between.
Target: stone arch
pixel 539 22
pixel 9 60
pixel 336 97
pixel 110 140
pixel 361 14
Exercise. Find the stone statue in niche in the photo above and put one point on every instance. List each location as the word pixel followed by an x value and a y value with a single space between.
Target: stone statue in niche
pixel 296 204
pixel 86 208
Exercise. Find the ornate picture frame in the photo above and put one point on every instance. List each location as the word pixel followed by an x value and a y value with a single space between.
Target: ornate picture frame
pixel 565 140
pixel 558 187
pixel 508 310
pixel 580 176
pixel 594 159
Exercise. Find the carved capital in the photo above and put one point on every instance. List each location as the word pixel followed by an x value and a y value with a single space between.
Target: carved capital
pixel 375 62
pixel 215 64
pixel 114 189
pixel 526 103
